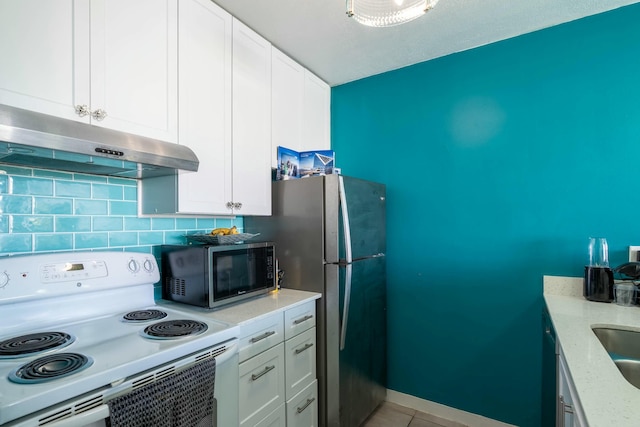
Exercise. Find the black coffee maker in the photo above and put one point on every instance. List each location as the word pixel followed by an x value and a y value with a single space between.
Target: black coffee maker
pixel 598 277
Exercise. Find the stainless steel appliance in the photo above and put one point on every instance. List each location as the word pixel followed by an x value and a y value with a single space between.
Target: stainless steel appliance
pixel 211 276
pixel 38 140
pixel 82 329
pixel 331 238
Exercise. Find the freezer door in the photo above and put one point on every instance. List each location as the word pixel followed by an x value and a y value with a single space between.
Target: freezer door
pixel 363 361
pixel 366 209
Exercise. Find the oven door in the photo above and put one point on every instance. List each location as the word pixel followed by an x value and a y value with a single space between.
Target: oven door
pixel 225 394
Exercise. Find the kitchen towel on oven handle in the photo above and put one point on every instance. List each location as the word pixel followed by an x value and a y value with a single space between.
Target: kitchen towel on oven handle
pixel 184 399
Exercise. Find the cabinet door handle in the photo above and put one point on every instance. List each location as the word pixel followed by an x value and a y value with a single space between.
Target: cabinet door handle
pixel 99 114
pixel 237 205
pixel 306 347
pixel 82 110
pixel 261 337
pixel 306 404
pixel 302 319
pixel 266 370
pixel 229 205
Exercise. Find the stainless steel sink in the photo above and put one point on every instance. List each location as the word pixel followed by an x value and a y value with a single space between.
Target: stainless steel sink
pixel 624 349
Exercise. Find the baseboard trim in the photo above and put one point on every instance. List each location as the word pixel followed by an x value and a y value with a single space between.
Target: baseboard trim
pixel 442 411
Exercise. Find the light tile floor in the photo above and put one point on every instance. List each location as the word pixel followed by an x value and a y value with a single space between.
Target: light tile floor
pixel 392 415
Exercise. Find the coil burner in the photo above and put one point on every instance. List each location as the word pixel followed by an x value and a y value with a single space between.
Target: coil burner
pixel 144 315
pixel 31 344
pixel 173 329
pixel 51 367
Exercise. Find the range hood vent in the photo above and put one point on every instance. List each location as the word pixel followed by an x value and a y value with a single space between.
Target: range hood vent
pixel 42 141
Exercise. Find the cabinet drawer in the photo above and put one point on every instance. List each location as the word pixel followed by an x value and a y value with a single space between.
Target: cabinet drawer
pixel 277 418
pixel 261 385
pixel 258 336
pixel 300 368
pixel 299 319
pixel 302 410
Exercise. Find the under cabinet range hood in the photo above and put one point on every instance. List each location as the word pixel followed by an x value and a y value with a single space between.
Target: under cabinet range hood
pixel 38 140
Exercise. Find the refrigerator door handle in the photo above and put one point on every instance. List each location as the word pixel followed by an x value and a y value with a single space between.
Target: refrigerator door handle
pixel 345 221
pixel 345 309
pixel 348 258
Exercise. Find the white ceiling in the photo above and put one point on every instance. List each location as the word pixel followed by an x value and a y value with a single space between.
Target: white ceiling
pixel 319 35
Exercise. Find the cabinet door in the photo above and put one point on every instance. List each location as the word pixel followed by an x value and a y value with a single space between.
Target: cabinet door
pixel 569 410
pixel 302 410
pixel 261 385
pixel 251 122
pixel 134 66
pixel 287 95
pixel 205 105
pixel 44 45
pixel 300 366
pixel 317 114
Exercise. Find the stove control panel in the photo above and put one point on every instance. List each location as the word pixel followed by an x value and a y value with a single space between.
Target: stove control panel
pixel 64 271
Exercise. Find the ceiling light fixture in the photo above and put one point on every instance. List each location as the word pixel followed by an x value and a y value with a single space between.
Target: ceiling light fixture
pixel 387 13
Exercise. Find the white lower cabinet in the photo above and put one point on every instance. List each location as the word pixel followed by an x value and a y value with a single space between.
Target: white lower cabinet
pixel 278 385
pixel 261 385
pixel 302 410
pixel 569 412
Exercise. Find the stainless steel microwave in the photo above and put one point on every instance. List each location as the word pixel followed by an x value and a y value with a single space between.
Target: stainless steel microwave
pixel 210 276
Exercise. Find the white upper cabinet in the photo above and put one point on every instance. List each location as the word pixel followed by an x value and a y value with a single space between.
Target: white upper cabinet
pixel 251 122
pixel 301 107
pixel 225 118
pixel 134 66
pixel 205 59
pixel 287 91
pixel 111 63
pixel 316 128
pixel 44 44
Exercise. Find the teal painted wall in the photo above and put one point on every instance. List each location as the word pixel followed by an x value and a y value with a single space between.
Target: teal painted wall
pixel 500 162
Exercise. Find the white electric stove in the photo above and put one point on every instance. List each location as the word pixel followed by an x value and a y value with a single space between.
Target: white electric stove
pixel 80 328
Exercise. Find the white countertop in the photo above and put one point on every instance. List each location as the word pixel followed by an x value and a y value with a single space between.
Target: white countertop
pixel 605 395
pixel 253 309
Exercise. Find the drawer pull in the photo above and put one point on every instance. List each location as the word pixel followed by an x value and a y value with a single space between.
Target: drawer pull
pixel 303 319
pixel 306 347
pixel 306 404
pixel 266 370
pixel 261 337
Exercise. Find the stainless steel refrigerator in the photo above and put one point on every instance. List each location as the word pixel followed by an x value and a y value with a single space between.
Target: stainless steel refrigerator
pixel 330 238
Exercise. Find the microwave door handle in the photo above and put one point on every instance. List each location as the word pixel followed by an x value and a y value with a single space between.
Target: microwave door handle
pixel 345 309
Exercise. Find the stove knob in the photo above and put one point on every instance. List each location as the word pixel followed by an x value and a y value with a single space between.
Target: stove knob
pixel 4 279
pixel 148 266
pixel 133 266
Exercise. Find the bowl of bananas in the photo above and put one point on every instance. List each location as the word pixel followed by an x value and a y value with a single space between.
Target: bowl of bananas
pixel 222 236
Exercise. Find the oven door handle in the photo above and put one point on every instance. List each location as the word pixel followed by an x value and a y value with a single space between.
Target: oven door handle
pixel 231 350
pixel 99 413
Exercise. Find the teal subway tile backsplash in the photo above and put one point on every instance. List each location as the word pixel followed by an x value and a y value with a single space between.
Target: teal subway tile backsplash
pixel 91 207
pixel 108 223
pixel 72 223
pixel 44 210
pixel 53 242
pixel 32 224
pixel 53 205
pixel 123 208
pixel 10 243
pixel 31 186
pixel 16 204
pixel 107 191
pixel 123 238
pixel 91 240
pixel 73 189
pixel 134 223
